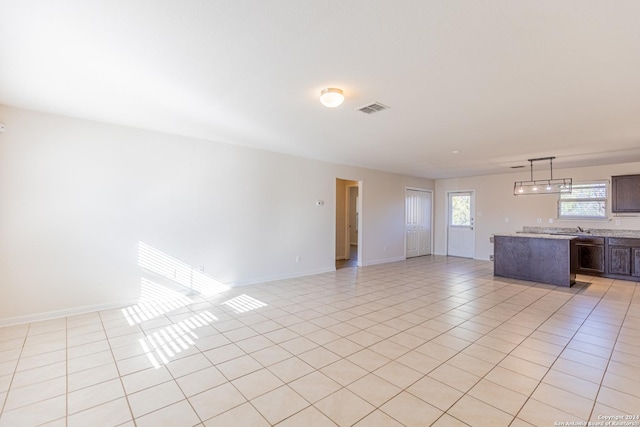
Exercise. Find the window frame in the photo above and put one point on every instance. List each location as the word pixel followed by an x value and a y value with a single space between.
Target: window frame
pixel 606 201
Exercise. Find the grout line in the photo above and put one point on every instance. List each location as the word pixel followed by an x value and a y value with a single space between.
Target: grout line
pixel 113 357
pixel 564 348
pixel 375 296
pixel 595 399
pixel 15 369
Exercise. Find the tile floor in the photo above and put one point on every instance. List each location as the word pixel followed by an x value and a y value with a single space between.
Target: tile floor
pixel 352 261
pixel 428 341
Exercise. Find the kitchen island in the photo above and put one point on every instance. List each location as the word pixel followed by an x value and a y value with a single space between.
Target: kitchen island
pixel 543 258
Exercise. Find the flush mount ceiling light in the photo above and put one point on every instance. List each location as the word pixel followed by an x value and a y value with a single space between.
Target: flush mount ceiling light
pixel 542 186
pixel 331 97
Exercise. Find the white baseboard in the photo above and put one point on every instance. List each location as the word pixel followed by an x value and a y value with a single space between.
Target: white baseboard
pixel 99 307
pixel 383 261
pixel 273 278
pixel 64 313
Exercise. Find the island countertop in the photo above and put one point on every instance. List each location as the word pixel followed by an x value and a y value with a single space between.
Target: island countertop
pixel 595 232
pixel 538 236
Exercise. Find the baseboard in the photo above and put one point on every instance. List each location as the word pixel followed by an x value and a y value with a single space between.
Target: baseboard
pixel 383 261
pixel 273 278
pixel 64 313
pixel 99 307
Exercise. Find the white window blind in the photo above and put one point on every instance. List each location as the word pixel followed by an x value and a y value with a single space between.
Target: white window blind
pixel 586 201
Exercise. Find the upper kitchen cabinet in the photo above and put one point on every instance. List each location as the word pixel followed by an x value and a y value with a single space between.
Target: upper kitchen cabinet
pixel 625 194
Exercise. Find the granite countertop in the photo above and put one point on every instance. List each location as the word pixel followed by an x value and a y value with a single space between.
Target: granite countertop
pixel 596 232
pixel 537 235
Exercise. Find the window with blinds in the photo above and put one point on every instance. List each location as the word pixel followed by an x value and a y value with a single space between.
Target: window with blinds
pixel 586 201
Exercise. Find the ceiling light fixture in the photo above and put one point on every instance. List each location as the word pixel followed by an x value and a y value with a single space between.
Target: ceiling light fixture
pixel 331 97
pixel 542 186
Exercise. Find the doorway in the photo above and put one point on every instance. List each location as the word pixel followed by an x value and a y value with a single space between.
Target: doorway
pixel 418 208
pixel 347 223
pixel 461 237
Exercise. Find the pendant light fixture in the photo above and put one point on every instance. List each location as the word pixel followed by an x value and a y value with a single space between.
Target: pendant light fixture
pixel 331 97
pixel 542 186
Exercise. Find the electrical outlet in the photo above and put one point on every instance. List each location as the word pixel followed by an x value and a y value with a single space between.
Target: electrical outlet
pixel 201 269
pixel 506 219
pixel 539 220
pixel 298 258
pixel 617 222
pixel 491 258
pixel 550 220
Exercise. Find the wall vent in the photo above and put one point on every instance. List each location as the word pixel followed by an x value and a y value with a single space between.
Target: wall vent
pixel 374 107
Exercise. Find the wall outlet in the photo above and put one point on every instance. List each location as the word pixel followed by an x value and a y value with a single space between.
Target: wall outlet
pixel 617 222
pixel 550 220
pixel 539 220
pixel 385 249
pixel 298 258
pixel 506 219
pixel 201 269
pixel 491 257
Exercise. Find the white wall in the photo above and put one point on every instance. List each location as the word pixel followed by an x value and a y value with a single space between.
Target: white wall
pixel 495 203
pixel 77 196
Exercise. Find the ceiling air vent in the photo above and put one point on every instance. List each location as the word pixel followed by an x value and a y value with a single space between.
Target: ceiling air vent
pixel 372 108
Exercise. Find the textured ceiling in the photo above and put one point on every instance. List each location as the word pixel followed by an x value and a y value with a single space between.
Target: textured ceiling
pixel 498 81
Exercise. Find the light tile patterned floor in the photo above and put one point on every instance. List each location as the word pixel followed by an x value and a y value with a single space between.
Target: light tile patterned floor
pixel 428 341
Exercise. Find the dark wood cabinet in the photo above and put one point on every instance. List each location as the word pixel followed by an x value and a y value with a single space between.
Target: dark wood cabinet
pixel 623 256
pixel 544 259
pixel 635 262
pixel 625 193
pixel 620 260
pixel 590 255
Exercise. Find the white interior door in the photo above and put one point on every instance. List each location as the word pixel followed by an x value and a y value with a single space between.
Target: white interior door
pixel 353 214
pixel 418 223
pixel 461 237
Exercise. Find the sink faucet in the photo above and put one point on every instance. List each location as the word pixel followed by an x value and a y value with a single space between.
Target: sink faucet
pixel 580 229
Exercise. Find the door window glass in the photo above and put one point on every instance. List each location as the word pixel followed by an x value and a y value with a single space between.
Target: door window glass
pixel 460 210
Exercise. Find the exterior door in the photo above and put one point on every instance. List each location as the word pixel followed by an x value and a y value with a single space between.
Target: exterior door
pixel 461 237
pixel 418 223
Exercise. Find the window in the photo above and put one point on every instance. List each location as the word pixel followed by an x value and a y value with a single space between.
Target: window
pixel 460 210
pixel 586 201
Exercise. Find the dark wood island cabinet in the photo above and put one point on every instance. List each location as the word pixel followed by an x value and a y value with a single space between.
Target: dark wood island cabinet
pixel 539 258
